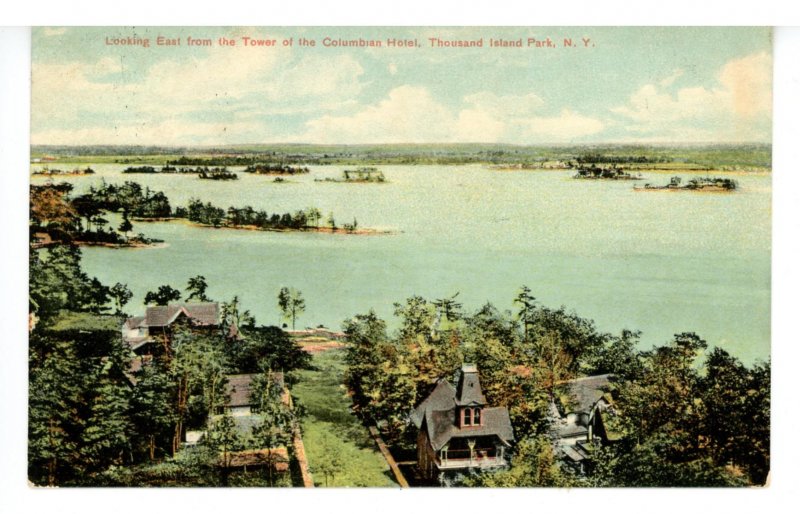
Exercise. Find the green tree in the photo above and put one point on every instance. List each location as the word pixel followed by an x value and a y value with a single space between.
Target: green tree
pixel 121 295
pixel 198 373
pixel 291 304
pixel 53 416
pixel 527 309
pixel 366 334
pixel 263 348
pixel 152 409
pixel 533 465
pixel 330 461
pixel 197 289
pixel 233 316
pixel 619 356
pixel 314 215
pixel 163 296
pixel 276 419
pixel 223 438
pixel 108 427
pixel 736 413
pixel 56 282
pixel 126 226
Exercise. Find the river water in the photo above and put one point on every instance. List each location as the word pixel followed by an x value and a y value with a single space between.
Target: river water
pixel 658 262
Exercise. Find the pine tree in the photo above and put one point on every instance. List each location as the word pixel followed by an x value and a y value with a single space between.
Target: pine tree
pixel 53 416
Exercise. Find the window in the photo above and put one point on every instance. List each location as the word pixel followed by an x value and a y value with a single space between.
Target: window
pixel 467 417
pixel 476 417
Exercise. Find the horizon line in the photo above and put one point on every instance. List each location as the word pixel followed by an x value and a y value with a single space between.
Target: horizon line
pixel 520 145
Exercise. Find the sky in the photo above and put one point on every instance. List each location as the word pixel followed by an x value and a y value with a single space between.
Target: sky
pixel 614 85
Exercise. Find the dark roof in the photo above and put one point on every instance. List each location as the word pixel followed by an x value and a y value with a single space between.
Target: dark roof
pixel 134 322
pixel 469 390
pixel 574 453
pixel 164 315
pixel 437 413
pixel 239 388
pixel 441 426
pixel 587 391
pixel 441 398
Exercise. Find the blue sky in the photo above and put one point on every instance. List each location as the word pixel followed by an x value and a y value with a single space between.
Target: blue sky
pixel 627 85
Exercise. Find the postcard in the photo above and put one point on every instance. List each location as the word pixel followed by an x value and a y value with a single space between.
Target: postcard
pixel 400 257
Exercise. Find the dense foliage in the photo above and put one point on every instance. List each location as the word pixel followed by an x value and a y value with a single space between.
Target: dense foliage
pixel 99 415
pixel 208 214
pixel 688 421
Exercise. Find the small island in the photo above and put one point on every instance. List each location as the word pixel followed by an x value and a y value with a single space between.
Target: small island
pixel 51 172
pixel 274 169
pixel 362 175
pixel 217 174
pixel 701 184
pixel 141 169
pixel 610 173
pixel 537 165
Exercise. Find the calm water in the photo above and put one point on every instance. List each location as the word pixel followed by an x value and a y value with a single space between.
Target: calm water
pixel 658 262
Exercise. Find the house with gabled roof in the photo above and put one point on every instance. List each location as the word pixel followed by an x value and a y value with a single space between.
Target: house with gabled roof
pixel 578 412
pixel 158 320
pixel 458 430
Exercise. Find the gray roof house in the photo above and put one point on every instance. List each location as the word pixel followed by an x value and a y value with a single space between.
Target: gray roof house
pixel 579 424
pixel 458 431
pixel 140 330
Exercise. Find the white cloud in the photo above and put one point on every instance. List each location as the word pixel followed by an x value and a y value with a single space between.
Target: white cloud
pixel 410 114
pixel 567 126
pixel 749 84
pixel 226 85
pixel 736 108
pixel 508 105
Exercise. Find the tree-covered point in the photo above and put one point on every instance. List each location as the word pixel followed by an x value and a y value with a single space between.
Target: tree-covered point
pixel 80 219
pixel 208 214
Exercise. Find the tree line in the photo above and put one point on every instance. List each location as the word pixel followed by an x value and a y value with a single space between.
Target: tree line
pixel 208 214
pixel 683 417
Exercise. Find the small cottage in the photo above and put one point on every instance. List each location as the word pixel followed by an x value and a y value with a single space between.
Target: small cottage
pixel 458 430
pixel 140 331
pixel 579 414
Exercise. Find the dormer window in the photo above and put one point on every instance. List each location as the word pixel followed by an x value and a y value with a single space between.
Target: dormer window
pixel 471 417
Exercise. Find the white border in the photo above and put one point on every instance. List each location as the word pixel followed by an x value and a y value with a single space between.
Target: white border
pixel 14 129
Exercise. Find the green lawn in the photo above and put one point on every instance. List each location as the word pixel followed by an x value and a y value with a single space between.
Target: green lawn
pixel 334 438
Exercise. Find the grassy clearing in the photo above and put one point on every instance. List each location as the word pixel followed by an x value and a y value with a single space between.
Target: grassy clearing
pixel 332 433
